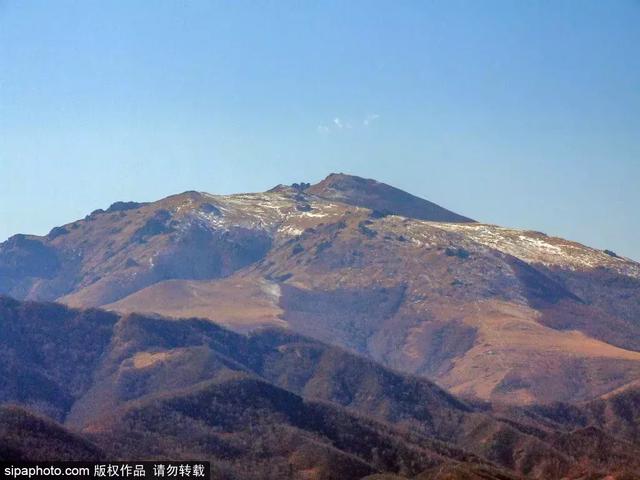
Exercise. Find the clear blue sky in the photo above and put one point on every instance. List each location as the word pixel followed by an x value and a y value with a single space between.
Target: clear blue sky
pixel 524 114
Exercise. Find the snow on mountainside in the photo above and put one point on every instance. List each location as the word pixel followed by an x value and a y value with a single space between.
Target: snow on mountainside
pixel 363 265
pixel 272 211
pixel 285 212
pixel 536 247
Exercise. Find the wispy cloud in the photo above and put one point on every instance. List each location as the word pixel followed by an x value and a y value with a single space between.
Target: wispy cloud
pixel 339 123
pixel 369 119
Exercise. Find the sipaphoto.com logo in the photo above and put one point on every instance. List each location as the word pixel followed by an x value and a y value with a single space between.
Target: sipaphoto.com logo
pixel 44 471
pixel 147 470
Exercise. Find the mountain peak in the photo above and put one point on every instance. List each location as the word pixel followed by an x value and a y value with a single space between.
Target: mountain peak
pixel 369 193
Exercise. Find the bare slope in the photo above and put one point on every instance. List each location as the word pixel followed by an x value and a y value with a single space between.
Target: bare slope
pixel 270 401
pixel 486 311
pixel 380 197
pixel 424 298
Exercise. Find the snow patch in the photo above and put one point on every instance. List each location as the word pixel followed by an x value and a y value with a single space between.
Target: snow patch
pixel 290 230
pixel 534 247
pixel 272 290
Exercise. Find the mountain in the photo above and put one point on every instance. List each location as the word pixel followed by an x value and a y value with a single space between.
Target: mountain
pixel 272 404
pixel 487 312
pixel 617 412
pixel 381 198
pixel 25 436
pixel 252 428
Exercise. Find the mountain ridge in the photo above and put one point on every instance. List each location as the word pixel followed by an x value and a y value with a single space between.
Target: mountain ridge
pixel 342 415
pixel 465 304
pixel 381 198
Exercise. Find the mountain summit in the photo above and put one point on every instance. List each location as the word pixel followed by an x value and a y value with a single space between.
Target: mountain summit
pixel 487 312
pixel 380 197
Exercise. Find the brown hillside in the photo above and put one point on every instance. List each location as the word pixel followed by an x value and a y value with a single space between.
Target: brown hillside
pixel 488 312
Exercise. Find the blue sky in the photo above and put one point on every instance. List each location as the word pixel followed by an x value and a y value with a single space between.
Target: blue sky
pixel 524 114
